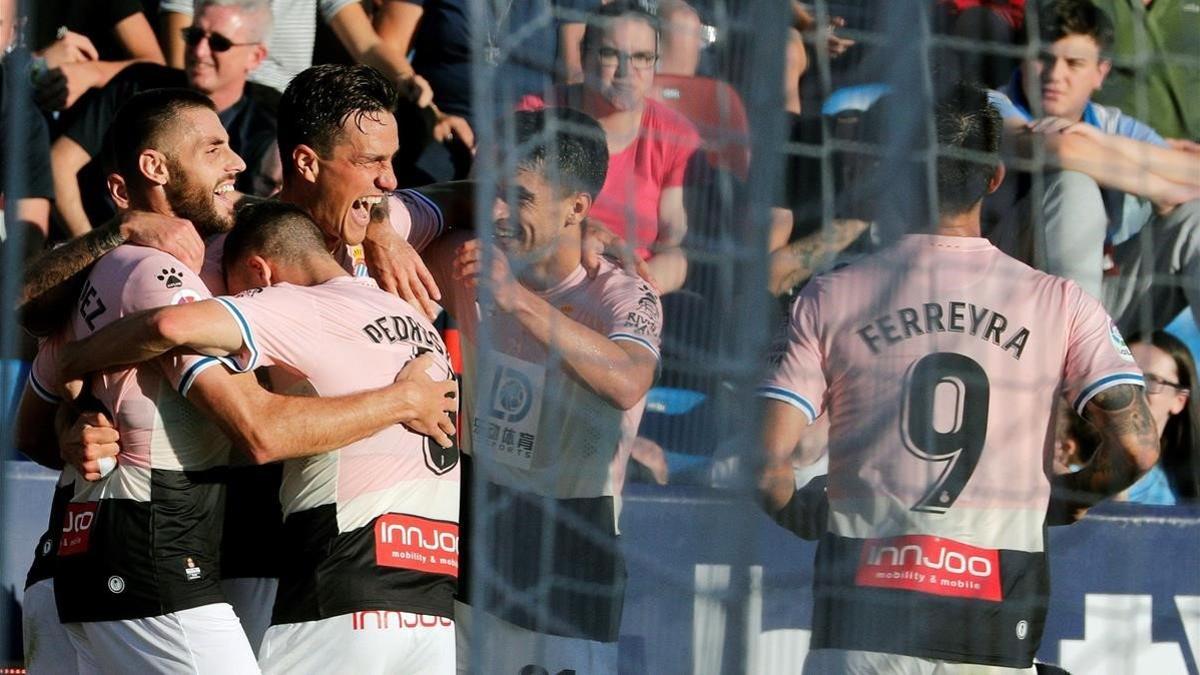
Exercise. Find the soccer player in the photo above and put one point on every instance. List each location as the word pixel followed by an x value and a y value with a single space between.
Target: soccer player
pixel 554 376
pixel 371 531
pixel 940 362
pixel 136 579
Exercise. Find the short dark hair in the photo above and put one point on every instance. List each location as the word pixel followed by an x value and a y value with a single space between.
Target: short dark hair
pixel 144 120
pixel 564 145
pixel 965 120
pixel 272 229
pixel 599 19
pixel 1060 18
pixel 321 99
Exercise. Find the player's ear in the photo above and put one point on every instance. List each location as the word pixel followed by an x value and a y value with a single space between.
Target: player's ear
pixel 118 191
pixel 306 162
pixel 153 166
pixel 260 270
pixel 580 205
pixel 997 178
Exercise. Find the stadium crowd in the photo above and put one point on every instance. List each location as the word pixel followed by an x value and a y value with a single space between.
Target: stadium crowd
pixel 282 373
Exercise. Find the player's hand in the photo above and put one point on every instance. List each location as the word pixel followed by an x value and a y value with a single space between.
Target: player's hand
pixel 175 236
pixel 397 268
pixel 430 403
pixel 835 44
pixel 469 267
pixel 599 241
pixel 90 446
pixel 72 47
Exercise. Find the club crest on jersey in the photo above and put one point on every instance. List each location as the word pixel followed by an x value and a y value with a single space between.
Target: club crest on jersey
pixel 1118 343
pixel 184 296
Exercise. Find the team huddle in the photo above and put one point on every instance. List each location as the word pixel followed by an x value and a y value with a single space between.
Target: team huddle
pixel 266 458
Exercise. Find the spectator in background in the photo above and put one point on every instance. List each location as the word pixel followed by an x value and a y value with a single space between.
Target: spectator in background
pixel 1170 372
pixel 682 38
pixel 1164 91
pixel 649 144
pixel 225 45
pixel 1000 22
pixel 102 37
pixel 290 43
pixel 32 209
pixel 1119 214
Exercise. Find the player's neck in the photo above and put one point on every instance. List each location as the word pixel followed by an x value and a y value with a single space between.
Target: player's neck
pixel 550 271
pixel 316 269
pixel 965 224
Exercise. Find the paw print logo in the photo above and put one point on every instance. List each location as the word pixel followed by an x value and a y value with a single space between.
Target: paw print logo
pixel 171 276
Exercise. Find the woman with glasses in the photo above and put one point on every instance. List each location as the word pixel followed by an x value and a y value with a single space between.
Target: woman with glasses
pixel 649 144
pixel 1170 373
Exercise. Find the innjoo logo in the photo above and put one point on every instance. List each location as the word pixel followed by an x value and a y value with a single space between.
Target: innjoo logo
pixel 417 543
pixel 930 565
pixel 77 528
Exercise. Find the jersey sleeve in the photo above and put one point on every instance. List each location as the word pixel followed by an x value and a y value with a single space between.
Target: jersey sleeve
pixel 184 7
pixel 1097 357
pixel 637 314
pixel 280 326
pixel 416 218
pixel 161 280
pixel 797 373
pixel 43 372
pixel 330 8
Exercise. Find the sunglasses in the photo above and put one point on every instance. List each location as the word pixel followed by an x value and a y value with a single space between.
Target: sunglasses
pixel 192 36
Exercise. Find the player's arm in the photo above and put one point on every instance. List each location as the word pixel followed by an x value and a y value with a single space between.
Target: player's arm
pixel 618 371
pixel 783 426
pixel 51 280
pixel 34 432
pixel 205 327
pixel 1129 448
pixel 795 262
pixel 170 27
pixel 270 427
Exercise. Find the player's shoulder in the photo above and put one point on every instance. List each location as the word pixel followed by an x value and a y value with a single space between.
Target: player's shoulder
pixel 616 283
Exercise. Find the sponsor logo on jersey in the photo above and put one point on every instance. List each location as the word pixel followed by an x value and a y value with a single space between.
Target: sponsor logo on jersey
pixel 932 565
pixel 1118 343
pixel 392 620
pixel 77 528
pixel 416 543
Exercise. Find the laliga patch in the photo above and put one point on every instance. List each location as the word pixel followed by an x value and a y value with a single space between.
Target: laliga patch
pixel 1118 343
pixel 77 528
pixel 931 565
pixel 184 296
pixel 415 543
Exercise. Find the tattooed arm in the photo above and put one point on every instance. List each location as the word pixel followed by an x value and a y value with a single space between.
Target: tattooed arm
pixel 794 263
pixel 52 280
pixel 1129 448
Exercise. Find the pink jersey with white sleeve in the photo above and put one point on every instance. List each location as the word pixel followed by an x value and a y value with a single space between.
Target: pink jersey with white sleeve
pixel 142 542
pixel 372 525
pixel 940 363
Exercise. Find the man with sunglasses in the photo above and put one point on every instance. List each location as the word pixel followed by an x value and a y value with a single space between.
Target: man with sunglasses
pixel 224 45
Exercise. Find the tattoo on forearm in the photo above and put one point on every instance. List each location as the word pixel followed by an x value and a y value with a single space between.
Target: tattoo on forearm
pixel 808 254
pixel 1127 426
pixel 56 267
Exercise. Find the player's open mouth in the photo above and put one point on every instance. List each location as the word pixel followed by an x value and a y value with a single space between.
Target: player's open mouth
pixel 226 194
pixel 360 210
